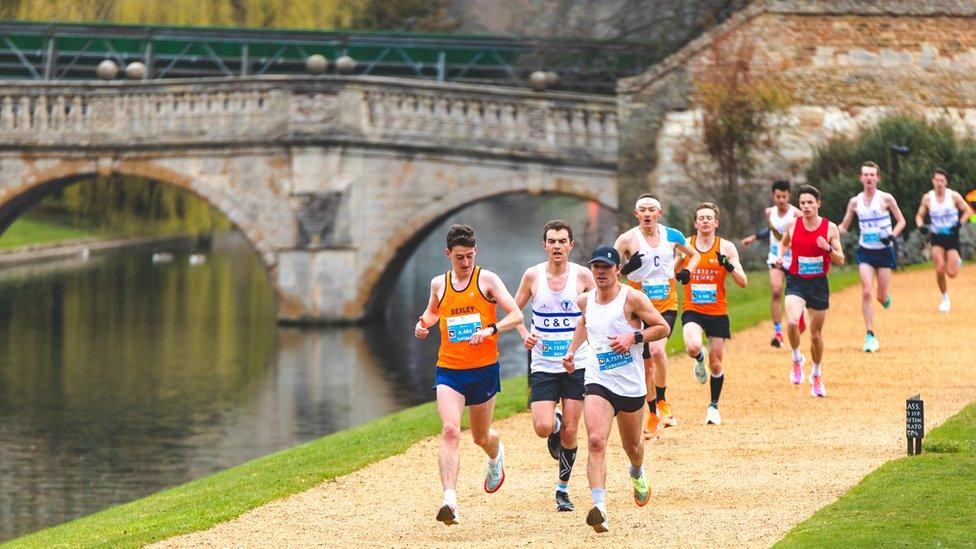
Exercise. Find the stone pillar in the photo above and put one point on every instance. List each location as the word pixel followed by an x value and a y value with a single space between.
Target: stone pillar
pixel 318 287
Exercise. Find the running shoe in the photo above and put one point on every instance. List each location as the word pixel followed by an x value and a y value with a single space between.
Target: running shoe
pixel 562 501
pixel 871 344
pixel 448 514
pixel 887 302
pixel 652 426
pixel 597 518
pixel 945 305
pixel 796 373
pixel 712 416
pixel 701 373
pixel 495 474
pixel 777 340
pixel 802 325
pixel 817 388
pixel 665 414
pixel 642 490
pixel 554 437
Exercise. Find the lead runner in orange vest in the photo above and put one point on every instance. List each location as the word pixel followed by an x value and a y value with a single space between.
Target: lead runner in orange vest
pixel 706 310
pixel 463 302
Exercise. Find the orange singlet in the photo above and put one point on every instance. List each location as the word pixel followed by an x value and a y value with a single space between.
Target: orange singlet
pixel 705 293
pixel 462 313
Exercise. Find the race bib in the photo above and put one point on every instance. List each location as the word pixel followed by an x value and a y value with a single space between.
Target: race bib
pixel 810 265
pixel 460 328
pixel 656 288
pixel 774 248
pixel 704 294
pixel 556 345
pixel 871 237
pixel 607 359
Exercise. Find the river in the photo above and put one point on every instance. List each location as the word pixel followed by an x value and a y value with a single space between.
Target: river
pixel 120 377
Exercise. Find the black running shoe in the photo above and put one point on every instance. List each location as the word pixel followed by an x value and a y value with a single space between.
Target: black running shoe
pixel 562 502
pixel 554 442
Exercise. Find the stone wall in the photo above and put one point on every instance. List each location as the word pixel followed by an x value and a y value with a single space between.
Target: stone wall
pixel 846 64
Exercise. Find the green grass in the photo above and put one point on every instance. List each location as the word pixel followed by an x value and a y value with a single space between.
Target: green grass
pixel 926 500
pixel 223 496
pixel 27 231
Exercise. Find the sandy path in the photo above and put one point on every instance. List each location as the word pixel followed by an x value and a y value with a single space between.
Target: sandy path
pixel 779 456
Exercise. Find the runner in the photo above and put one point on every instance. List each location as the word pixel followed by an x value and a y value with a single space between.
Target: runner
pixel 706 310
pixel 554 287
pixel 649 250
pixel 616 319
pixel 875 254
pixel 463 302
pixel 815 242
pixel 778 216
pixel 947 212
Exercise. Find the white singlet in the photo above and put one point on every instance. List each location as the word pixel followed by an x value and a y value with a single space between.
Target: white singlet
pixel 780 223
pixel 874 222
pixel 944 215
pixel 554 319
pixel 621 374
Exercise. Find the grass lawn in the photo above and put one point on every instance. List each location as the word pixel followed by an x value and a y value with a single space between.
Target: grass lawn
pixel 26 231
pixel 220 497
pixel 927 500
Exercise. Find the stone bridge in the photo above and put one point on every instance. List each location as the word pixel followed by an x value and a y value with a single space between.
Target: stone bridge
pixel 333 180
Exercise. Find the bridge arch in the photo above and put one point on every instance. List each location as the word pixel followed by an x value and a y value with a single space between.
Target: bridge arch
pixel 377 285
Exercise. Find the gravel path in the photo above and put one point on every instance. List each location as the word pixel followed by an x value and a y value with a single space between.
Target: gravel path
pixel 779 456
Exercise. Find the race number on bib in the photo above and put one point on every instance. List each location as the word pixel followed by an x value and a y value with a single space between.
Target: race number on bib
pixel 656 288
pixel 704 293
pixel 871 237
pixel 774 247
pixel 556 345
pixel 810 265
pixel 607 359
pixel 462 327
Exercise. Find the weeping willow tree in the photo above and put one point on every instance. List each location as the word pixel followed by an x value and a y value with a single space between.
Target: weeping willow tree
pixel 127 203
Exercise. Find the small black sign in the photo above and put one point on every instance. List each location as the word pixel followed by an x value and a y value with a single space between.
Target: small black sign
pixel 914 424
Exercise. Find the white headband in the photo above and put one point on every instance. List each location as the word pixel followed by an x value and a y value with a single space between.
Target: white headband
pixel 648 201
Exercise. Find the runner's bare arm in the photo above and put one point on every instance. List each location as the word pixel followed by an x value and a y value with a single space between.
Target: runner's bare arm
pixel 430 316
pixel 965 211
pixel 692 256
pixel 738 274
pixel 900 222
pixel 848 215
pixel 640 307
pixel 579 336
pixel 923 208
pixel 495 289
pixel 522 296
pixel 585 282
pixel 754 236
pixel 786 241
pixel 836 250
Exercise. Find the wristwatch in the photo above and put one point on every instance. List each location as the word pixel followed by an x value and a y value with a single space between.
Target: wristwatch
pixel 494 328
pixel 638 337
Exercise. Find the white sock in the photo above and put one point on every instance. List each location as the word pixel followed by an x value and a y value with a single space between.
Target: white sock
pixel 450 497
pixel 796 354
pixel 816 370
pixel 501 450
pixel 945 296
pixel 599 496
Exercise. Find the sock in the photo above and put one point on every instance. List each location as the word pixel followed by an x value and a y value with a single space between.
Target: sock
pixel 945 296
pixel 636 471
pixel 562 487
pixel 659 391
pixel 796 354
pixel 715 384
pixel 816 370
pixel 700 356
pixel 450 497
pixel 871 333
pixel 778 327
pixel 599 496
pixel 494 460
pixel 652 405
pixel 567 458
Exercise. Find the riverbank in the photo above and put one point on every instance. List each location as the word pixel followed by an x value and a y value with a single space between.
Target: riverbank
pixel 83 248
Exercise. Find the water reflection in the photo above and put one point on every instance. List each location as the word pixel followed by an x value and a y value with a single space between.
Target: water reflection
pixel 119 377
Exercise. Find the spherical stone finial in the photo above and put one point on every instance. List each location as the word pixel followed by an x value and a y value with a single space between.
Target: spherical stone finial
pixel 537 80
pixel 552 77
pixel 316 63
pixel 135 70
pixel 345 64
pixel 107 70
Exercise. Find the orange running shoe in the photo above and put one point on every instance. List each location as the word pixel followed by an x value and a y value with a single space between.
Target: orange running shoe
pixel 651 427
pixel 664 414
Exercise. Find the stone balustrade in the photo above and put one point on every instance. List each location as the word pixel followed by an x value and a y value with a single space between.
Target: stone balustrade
pixel 384 112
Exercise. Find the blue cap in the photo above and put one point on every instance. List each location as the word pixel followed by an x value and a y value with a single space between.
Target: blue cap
pixel 605 254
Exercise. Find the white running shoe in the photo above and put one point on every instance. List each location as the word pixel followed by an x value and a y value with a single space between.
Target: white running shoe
pixel 796 371
pixel 448 514
pixel 701 373
pixel 712 416
pixel 945 305
pixel 495 474
pixel 871 344
pixel 597 518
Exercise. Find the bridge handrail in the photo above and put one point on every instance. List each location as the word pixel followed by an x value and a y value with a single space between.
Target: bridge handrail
pixel 377 112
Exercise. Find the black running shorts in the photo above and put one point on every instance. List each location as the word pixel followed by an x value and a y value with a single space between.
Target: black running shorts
pixel 555 387
pixel 627 405
pixel 815 291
